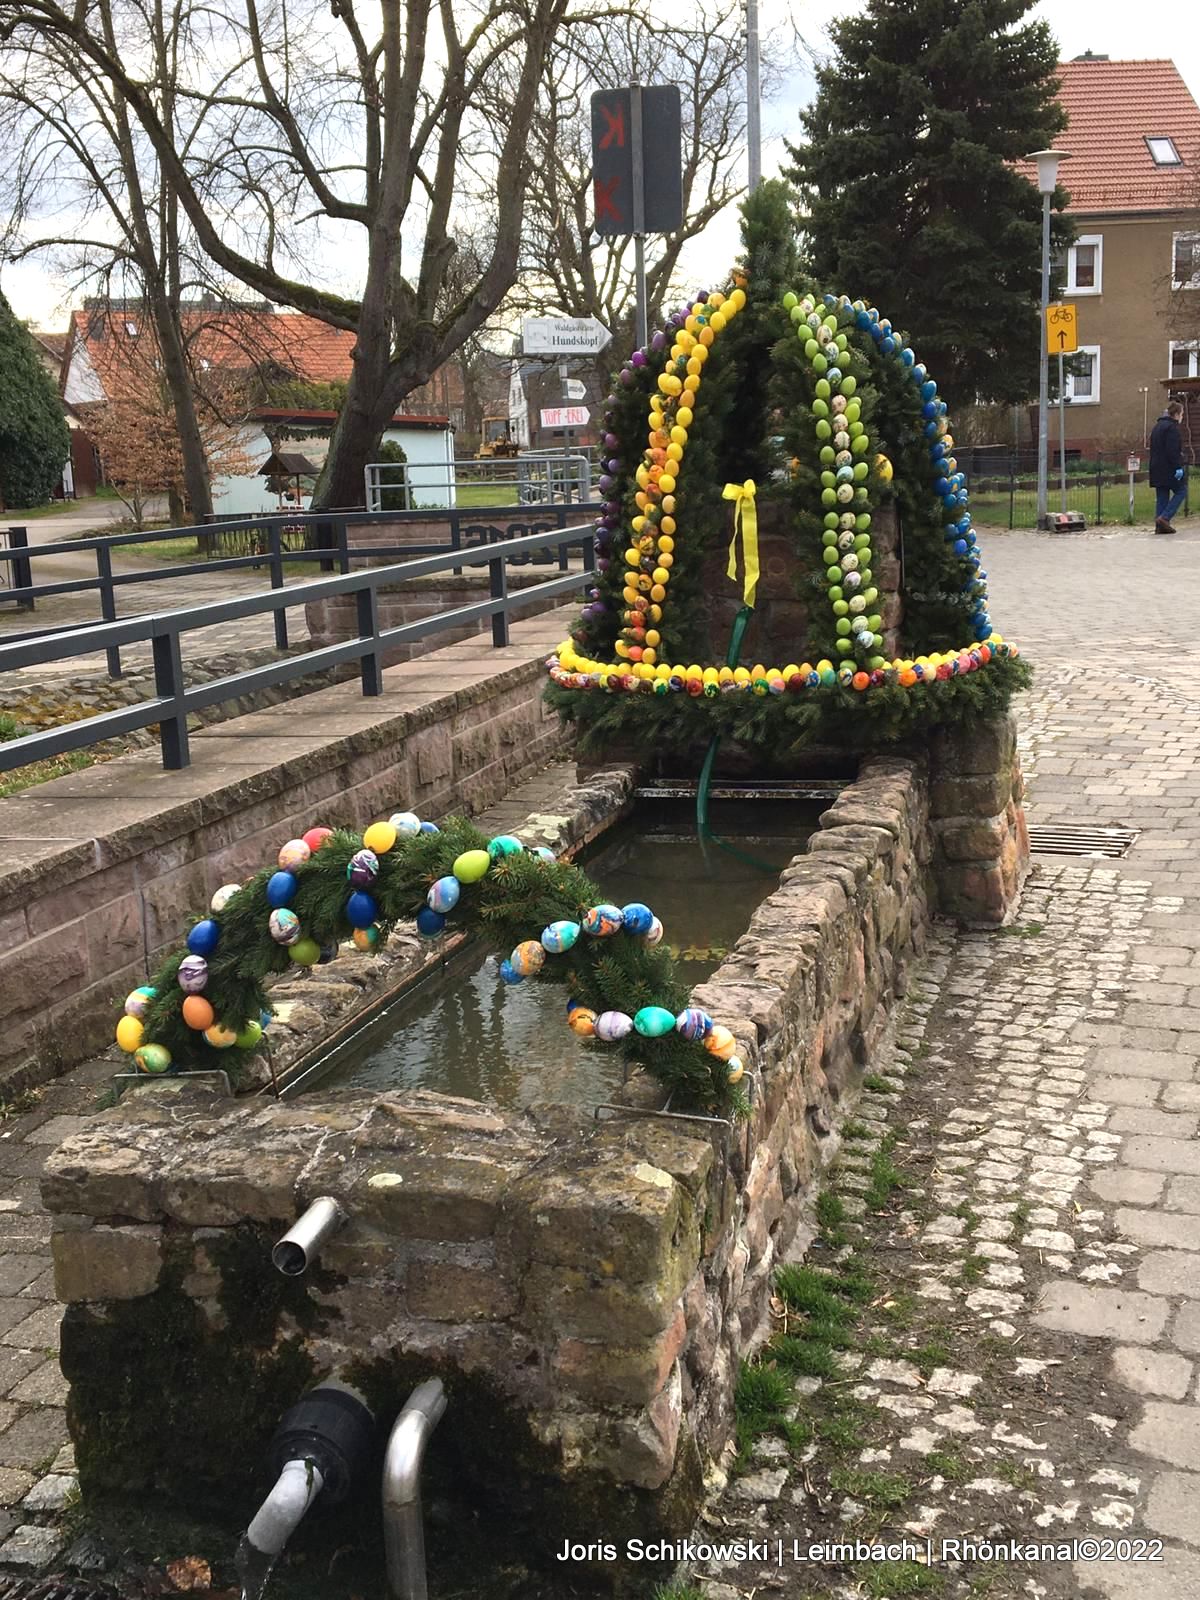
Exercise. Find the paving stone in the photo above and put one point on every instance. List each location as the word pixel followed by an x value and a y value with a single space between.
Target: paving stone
pixel 759 1486
pixel 1178 1231
pixel 1102 1313
pixel 1170 1272
pixel 51 1493
pixel 1162 1064
pixel 1152 1371
pixel 14 1485
pixel 1116 1091
pixel 1183 1194
pixel 1148 1119
pixel 1181 1097
pixel 1170 1432
pixel 33 1438
pixel 1163 1155
pixel 36 1331
pixel 1185 1334
pixel 30 1546
pixel 1173 1506
pixel 1130 1187
pixel 18 1270
pixel 45 1387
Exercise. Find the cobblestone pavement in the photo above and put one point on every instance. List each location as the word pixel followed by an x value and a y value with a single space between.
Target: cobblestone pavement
pixel 1011 1234
pixel 997 1330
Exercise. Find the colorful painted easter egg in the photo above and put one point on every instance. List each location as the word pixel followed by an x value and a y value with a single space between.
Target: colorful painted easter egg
pixel 504 845
pixel 528 958
pixel 284 926
pixel 223 896
pixel 192 974
pixel 655 933
pixel 652 1022
pixel 444 895
pixel 613 1025
pixel 154 1058
pixel 637 918
pixel 220 1038
pixel 363 868
pixel 559 936
pixel 582 1021
pixel 693 1023
pixel 407 823
pixel 138 1003
pixel 602 921
pixel 293 854
pixel 365 939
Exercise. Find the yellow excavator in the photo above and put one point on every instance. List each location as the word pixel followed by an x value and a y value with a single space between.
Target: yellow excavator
pixel 497 440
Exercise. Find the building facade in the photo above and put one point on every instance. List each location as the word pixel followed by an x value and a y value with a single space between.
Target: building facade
pixel 1133 272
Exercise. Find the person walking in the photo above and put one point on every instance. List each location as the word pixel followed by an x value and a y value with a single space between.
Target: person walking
pixel 1168 475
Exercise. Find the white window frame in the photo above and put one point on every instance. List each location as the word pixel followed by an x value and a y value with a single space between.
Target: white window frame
pixel 1175 160
pixel 1192 347
pixel 1070 286
pixel 1194 281
pixel 1092 399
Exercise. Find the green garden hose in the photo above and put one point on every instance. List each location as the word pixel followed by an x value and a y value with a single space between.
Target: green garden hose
pixel 704 832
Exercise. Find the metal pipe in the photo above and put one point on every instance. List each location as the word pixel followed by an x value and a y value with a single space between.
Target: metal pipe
pixel 1044 371
pixel 753 99
pixel 301 1245
pixel 298 1485
pixel 403 1527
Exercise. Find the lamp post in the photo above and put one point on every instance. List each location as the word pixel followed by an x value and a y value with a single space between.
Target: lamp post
pixel 753 98
pixel 1047 178
pixel 1145 394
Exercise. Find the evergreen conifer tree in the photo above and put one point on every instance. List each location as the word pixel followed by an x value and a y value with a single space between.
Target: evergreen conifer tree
pixel 908 192
pixel 34 443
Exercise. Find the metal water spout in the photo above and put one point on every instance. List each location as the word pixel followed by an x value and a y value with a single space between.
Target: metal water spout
pixel 301 1245
pixel 403 1526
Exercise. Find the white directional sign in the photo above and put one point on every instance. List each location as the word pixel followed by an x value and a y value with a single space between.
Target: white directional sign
pixel 564 336
pixel 574 390
pixel 566 417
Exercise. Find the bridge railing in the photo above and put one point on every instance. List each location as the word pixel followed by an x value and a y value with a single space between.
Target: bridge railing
pixel 174 699
pixel 270 542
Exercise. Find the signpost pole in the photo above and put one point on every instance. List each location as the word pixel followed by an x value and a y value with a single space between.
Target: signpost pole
pixel 641 331
pixel 1062 434
pixel 753 98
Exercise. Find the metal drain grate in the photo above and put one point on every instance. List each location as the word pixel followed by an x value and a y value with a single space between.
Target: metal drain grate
pixel 735 789
pixel 1079 839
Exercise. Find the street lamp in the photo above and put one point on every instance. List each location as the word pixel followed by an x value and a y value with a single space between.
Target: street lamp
pixel 1145 394
pixel 1047 179
pixel 753 99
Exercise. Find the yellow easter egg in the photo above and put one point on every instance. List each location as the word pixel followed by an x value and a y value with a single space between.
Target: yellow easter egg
pixel 130 1033
pixel 380 837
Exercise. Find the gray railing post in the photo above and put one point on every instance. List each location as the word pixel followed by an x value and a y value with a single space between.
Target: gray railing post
pixel 168 685
pixel 108 605
pixel 20 567
pixel 1012 491
pixel 343 544
pixel 276 551
pixel 498 576
pixel 366 604
pixel 589 552
pixel 1100 489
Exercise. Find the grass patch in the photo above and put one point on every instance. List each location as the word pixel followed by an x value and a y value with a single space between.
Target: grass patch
pixel 831 1219
pixel 933 1353
pixel 817 1294
pixel 885 1176
pixel 762 1396
pixel 1021 930
pixel 878 1084
pixel 882 1490
pixel 43 771
pixel 886 1580
pixel 901 1308
pixel 807 1358
pixel 678 1591
pixel 1016 1473
pixel 970 1218
pixel 20 1104
pixel 856 1130
pixel 1020 1217
pixel 973 1268
pixel 950 1465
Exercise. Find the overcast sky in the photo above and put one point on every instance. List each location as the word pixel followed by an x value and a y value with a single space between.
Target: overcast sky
pixel 1107 27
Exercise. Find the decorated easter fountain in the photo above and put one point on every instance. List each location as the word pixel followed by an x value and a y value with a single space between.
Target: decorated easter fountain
pixel 585 1293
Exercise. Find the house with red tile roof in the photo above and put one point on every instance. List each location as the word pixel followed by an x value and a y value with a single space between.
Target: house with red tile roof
pixel 1133 176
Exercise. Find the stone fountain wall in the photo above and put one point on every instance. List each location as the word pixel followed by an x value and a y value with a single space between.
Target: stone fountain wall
pixel 587 1293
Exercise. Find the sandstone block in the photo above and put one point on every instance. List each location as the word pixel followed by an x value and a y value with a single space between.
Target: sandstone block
pixel 608 1375
pixel 972 838
pixel 107 1263
pixel 447 1291
pixel 567 1300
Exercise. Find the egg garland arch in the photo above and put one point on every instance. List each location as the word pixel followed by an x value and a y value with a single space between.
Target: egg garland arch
pixel 843 344
pixel 208 1004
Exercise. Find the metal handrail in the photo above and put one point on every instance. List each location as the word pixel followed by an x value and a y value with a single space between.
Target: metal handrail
pixel 174 700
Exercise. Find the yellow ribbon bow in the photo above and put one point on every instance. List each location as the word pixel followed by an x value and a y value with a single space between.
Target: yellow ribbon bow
pixel 745 519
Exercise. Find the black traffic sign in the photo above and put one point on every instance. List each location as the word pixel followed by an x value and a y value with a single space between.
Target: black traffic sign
pixel 637 159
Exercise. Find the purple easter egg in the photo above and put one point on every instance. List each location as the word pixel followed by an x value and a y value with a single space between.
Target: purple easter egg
pixel 638 358
pixel 611 441
pixel 658 340
pixel 614 465
pixel 363 868
pixel 605 483
pixel 626 376
pixel 192 974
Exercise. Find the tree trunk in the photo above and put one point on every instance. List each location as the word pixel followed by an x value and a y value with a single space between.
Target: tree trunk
pixel 179 382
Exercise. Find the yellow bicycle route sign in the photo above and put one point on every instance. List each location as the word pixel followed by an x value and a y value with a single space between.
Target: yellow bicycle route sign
pixel 1062 330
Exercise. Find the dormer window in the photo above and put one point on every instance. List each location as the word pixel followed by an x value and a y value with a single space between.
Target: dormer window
pixel 1163 153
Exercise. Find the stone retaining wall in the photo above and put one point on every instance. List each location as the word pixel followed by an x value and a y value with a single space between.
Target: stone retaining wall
pixel 587 1294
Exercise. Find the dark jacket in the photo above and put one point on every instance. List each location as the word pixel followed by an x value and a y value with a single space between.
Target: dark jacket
pixel 1166 453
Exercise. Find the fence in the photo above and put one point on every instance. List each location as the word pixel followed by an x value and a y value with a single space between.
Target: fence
pixel 1004 491
pixel 174 700
pixel 536 478
pixel 270 542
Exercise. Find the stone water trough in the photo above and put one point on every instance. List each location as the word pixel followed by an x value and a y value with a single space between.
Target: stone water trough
pixel 586 1292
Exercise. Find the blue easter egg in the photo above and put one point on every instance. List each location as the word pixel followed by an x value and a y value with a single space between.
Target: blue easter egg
pixel 361 910
pixel 693 1023
pixel 444 894
pixel 281 886
pixel 430 922
pixel 541 852
pixel 509 973
pixel 928 389
pixel 636 918
pixel 204 937
pixel 430 827
pixel 559 936
pixel 601 921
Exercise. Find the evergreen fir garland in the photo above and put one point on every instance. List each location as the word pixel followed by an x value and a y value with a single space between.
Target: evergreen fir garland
pixel 521 893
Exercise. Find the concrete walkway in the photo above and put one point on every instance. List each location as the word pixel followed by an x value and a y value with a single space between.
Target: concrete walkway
pixel 1023 1179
